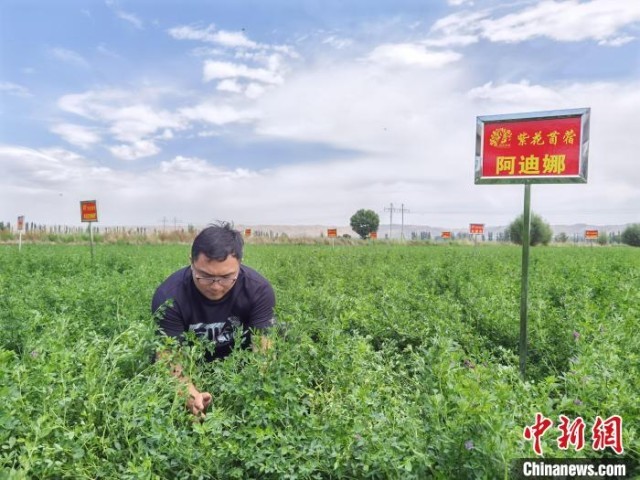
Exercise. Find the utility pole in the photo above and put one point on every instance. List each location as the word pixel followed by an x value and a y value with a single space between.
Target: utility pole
pixel 402 211
pixel 390 210
pixel 402 228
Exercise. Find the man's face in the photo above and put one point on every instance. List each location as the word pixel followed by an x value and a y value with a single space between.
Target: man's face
pixel 214 279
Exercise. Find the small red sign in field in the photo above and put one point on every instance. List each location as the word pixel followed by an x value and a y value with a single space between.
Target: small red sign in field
pixel 476 228
pixel 89 211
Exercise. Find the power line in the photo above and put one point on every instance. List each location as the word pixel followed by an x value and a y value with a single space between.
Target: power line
pixel 402 211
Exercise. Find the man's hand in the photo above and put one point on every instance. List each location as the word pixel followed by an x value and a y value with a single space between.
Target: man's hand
pixel 198 402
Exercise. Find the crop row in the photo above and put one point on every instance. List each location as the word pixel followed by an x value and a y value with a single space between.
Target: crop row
pixel 389 362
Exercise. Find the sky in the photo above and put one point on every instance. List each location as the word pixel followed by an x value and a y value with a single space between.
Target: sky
pixel 301 112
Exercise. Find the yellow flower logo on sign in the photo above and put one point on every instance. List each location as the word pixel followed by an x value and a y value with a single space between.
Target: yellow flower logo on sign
pixel 500 138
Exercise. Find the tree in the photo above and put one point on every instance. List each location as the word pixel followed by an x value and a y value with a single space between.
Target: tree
pixel 540 232
pixel 603 238
pixel 363 222
pixel 631 235
pixel 562 237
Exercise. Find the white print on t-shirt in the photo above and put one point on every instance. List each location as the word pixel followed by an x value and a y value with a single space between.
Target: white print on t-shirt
pixel 221 333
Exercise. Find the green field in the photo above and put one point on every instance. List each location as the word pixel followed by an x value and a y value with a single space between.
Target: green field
pixel 396 362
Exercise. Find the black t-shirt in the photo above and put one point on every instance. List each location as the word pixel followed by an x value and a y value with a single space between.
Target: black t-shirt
pixel 249 304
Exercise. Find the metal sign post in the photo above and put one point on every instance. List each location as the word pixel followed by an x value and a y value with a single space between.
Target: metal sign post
pixel 89 213
pixel 20 228
pixel 91 242
pixel 527 148
pixel 524 282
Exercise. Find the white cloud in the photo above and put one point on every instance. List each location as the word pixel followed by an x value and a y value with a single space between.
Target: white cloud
pixel 69 56
pixel 465 24
pixel 562 20
pixel 45 169
pixel 49 183
pixel 128 117
pixel 131 18
pixel 194 168
pixel 285 50
pixel 137 121
pixel 209 133
pixel 135 150
pixel 94 104
pixel 359 106
pixel 104 50
pixel 233 39
pixel 221 37
pixel 126 16
pixel 565 21
pixel 412 55
pixel 15 89
pixel 215 70
pixel 516 94
pixel 255 63
pixel 251 90
pixel 218 114
pixel 338 42
pixel 131 119
pixel 229 85
pixel 77 134
pixel 451 41
pixel 254 90
pixel 616 41
pixel 412 134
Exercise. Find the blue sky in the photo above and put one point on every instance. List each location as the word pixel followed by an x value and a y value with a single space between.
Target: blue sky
pixel 302 112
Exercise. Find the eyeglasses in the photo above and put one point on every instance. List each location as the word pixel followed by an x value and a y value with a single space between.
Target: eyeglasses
pixel 223 281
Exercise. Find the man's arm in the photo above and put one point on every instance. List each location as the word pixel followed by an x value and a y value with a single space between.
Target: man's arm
pixel 197 401
pixel 170 323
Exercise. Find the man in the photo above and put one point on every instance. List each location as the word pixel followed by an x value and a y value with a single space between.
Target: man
pixel 213 297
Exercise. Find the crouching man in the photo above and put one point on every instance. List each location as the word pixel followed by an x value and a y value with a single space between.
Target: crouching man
pixel 212 297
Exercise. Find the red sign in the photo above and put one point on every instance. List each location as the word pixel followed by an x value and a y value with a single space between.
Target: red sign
pixel 21 223
pixel 591 234
pixel 88 211
pixel 332 232
pixel 445 234
pixel 476 228
pixel 247 232
pixel 373 235
pixel 545 147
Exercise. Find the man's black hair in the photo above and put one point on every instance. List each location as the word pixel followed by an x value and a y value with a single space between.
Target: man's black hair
pixel 217 242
